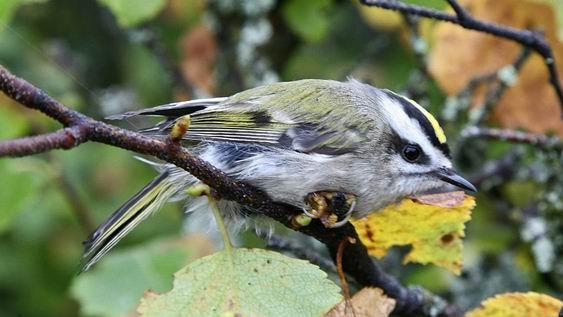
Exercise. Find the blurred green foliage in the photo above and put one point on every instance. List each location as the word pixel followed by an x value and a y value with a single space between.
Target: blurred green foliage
pixel 100 57
pixel 129 13
pixel 316 14
pixel 138 269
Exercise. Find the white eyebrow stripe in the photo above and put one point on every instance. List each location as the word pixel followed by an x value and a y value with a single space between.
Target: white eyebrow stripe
pixel 409 129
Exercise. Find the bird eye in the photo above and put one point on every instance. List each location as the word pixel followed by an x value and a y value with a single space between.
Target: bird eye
pixel 411 152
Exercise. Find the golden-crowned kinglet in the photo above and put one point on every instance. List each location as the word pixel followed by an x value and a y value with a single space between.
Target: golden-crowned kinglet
pixel 292 139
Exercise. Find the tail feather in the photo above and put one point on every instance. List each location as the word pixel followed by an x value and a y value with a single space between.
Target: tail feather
pixel 126 218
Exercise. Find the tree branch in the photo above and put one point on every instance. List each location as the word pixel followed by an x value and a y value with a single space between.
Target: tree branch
pixel 356 261
pixel 496 83
pixel 540 140
pixel 72 196
pixel 494 93
pixel 282 244
pixel 62 139
pixel 534 40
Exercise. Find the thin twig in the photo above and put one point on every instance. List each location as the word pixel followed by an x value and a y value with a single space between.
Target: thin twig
pixel 355 260
pixel 154 43
pixel 342 277
pixel 66 138
pixel 416 87
pixel 499 171
pixel 480 113
pixel 496 82
pixel 417 84
pixel 339 269
pixel 540 140
pixel 77 205
pixel 533 40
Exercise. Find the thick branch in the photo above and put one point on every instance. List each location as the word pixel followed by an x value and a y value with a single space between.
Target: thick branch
pixel 283 244
pixel 534 40
pixel 34 98
pixel 356 261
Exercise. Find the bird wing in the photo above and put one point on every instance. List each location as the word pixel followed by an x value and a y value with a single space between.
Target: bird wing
pixel 284 115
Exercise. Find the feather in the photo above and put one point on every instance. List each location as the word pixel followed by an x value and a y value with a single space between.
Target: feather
pixel 307 116
pixel 126 218
pixel 175 109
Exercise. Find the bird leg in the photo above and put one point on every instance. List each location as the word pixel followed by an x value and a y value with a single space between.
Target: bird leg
pixel 333 209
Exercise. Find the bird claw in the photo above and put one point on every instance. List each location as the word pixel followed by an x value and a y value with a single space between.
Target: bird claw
pixel 333 209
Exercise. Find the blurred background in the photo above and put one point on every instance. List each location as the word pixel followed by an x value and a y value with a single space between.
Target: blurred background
pixel 109 56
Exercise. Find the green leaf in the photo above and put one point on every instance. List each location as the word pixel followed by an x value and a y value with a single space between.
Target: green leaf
pixel 309 19
pixel 246 282
pixel 130 13
pixel 8 8
pixel 13 124
pixel 16 187
pixel 116 285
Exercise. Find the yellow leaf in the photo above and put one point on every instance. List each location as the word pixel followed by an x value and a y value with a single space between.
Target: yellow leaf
pixel 368 302
pixel 433 225
pixel 517 305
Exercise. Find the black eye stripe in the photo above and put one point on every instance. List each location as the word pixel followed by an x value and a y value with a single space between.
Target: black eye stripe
pixel 417 115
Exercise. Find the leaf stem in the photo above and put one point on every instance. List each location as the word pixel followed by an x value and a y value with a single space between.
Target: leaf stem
pixel 220 223
pixel 201 189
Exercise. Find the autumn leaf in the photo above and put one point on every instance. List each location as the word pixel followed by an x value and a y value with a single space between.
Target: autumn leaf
pixel 200 54
pixel 458 55
pixel 517 305
pixel 368 302
pixel 432 225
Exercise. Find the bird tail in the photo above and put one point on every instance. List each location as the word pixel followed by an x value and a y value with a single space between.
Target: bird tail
pixel 144 203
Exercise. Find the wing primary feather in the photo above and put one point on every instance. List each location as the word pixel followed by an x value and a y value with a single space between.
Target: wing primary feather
pixel 126 218
pixel 176 109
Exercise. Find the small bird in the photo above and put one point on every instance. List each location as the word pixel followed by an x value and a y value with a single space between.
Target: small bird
pixel 342 145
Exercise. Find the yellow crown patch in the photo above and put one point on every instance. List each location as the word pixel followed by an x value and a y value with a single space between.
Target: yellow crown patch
pixel 435 125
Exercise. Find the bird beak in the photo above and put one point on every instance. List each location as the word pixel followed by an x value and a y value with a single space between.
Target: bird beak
pixel 448 175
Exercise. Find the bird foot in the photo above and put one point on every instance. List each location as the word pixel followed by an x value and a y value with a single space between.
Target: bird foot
pixel 333 209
